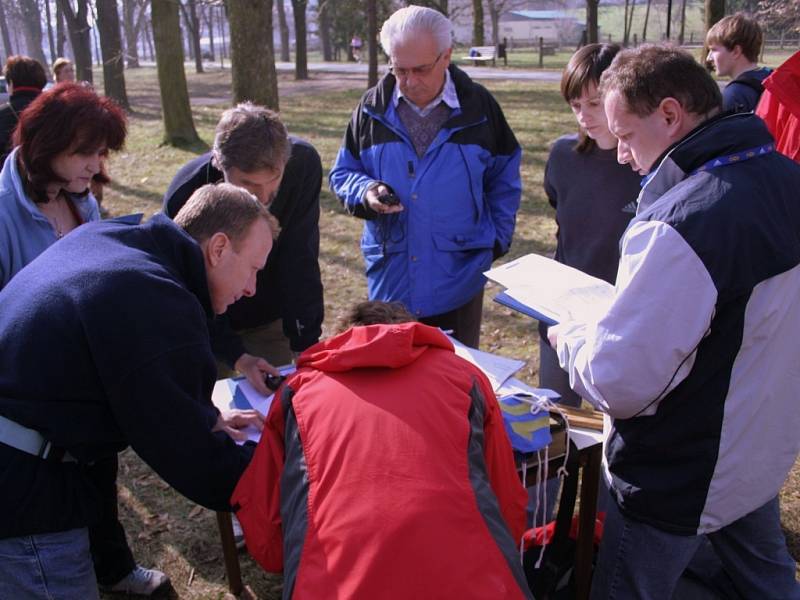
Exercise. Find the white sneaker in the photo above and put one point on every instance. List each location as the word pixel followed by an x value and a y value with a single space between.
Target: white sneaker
pixel 238 534
pixel 140 581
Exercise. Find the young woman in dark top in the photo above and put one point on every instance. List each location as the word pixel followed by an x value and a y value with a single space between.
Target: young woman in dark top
pixel 593 194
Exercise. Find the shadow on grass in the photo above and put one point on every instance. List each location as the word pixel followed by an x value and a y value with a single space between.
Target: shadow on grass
pixel 151 197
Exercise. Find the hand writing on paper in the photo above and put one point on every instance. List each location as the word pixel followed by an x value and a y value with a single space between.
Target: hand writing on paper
pixel 254 368
pixel 232 421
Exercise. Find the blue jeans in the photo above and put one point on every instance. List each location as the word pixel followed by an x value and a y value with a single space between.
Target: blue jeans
pixel 48 566
pixel 638 561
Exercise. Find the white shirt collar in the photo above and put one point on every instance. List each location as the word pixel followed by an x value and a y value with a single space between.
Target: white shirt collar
pixel 448 95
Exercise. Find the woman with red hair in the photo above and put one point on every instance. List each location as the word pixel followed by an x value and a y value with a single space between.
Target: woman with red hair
pixel 60 142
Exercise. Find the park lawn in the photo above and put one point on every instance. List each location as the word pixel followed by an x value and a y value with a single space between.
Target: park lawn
pixel 168 531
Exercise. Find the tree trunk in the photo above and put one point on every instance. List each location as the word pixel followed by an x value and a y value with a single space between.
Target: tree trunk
pixel 224 52
pixel 193 25
pixel 208 17
pixel 113 58
pixel 324 26
pixel 591 21
pixel 494 15
pixel 646 19
pixel 283 26
pixel 32 28
pixel 178 124
pixel 50 39
pixel 186 32
pixel 683 22
pixel 61 31
pixel 79 37
pixel 372 42
pixel 148 39
pixel 714 10
pixel 301 55
pixel 9 49
pixel 477 23
pixel 625 24
pixel 252 59
pixel 95 38
pixel 629 22
pixel 133 26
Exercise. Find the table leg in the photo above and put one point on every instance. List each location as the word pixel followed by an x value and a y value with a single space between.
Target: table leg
pixel 231 555
pixel 590 478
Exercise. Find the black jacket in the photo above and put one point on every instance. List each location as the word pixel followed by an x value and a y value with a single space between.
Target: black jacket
pixel 289 286
pixel 9 115
pixel 104 344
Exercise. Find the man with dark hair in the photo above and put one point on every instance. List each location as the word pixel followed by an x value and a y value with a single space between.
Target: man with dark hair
pixel 431 164
pixel 734 44
pixel 25 78
pixel 116 314
pixel 402 483
pixel 695 359
pixel 284 317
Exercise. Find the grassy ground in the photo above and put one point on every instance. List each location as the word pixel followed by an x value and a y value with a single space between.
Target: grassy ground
pixel 166 530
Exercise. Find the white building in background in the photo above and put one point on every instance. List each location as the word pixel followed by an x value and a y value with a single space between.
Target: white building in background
pixel 525 27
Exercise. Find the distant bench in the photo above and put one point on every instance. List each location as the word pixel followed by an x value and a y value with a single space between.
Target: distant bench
pixel 481 54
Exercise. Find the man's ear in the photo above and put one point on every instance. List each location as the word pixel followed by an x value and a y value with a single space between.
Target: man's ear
pixel 672 112
pixel 736 52
pixel 216 247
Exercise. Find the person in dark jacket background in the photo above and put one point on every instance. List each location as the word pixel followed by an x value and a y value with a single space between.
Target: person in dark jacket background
pixel 25 78
pixel 85 314
pixel 284 317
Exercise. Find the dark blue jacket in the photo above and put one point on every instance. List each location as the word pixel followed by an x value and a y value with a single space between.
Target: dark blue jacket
pixel 460 199
pixel 289 287
pixel 104 344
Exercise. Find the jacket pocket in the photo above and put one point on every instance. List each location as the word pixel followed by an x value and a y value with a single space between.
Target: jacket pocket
pixel 461 254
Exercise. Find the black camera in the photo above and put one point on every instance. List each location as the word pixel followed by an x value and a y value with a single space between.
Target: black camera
pixel 273 382
pixel 388 199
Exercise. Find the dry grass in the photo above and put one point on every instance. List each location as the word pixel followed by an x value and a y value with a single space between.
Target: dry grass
pixel 168 531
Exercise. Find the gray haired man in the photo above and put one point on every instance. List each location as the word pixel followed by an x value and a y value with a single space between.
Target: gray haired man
pixel 429 161
pixel 284 317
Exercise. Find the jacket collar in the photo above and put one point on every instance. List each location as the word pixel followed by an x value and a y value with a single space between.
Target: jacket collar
pixel 388 346
pixel 719 136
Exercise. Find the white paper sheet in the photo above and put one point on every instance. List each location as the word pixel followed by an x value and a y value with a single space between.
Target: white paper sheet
pixel 553 289
pixel 496 368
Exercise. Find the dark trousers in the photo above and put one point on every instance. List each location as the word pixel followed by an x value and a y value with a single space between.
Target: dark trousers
pixel 111 555
pixel 464 321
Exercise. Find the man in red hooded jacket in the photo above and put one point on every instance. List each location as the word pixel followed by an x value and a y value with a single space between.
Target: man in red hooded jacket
pixel 384 472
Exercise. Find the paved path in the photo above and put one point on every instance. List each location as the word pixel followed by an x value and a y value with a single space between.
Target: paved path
pixel 474 72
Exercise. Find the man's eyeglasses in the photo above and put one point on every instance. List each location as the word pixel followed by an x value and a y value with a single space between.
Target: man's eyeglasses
pixel 418 71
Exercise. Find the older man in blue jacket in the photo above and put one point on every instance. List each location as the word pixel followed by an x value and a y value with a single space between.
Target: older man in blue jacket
pixel 430 162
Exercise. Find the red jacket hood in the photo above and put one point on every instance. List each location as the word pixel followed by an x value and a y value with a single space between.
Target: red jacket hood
pixel 391 346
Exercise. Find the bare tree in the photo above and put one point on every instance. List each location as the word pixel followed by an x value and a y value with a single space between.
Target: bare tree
pixel 178 124
pixel 113 57
pixel 628 21
pixel 591 21
pixel 189 11
pixel 300 52
pixel 207 16
pixel 252 58
pixel 50 39
pixel 133 15
pixel 9 49
pixel 283 27
pixel 477 23
pixel 497 8
pixel 32 28
pixel 372 42
pixel 646 19
pixel 715 10
pixel 79 37
pixel 324 29
pixel 683 23
pixel 61 31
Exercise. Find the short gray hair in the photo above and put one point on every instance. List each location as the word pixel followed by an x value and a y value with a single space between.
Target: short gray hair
pixel 408 23
pixel 250 138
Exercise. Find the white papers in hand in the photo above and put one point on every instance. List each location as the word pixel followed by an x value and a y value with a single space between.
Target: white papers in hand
pixel 554 289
